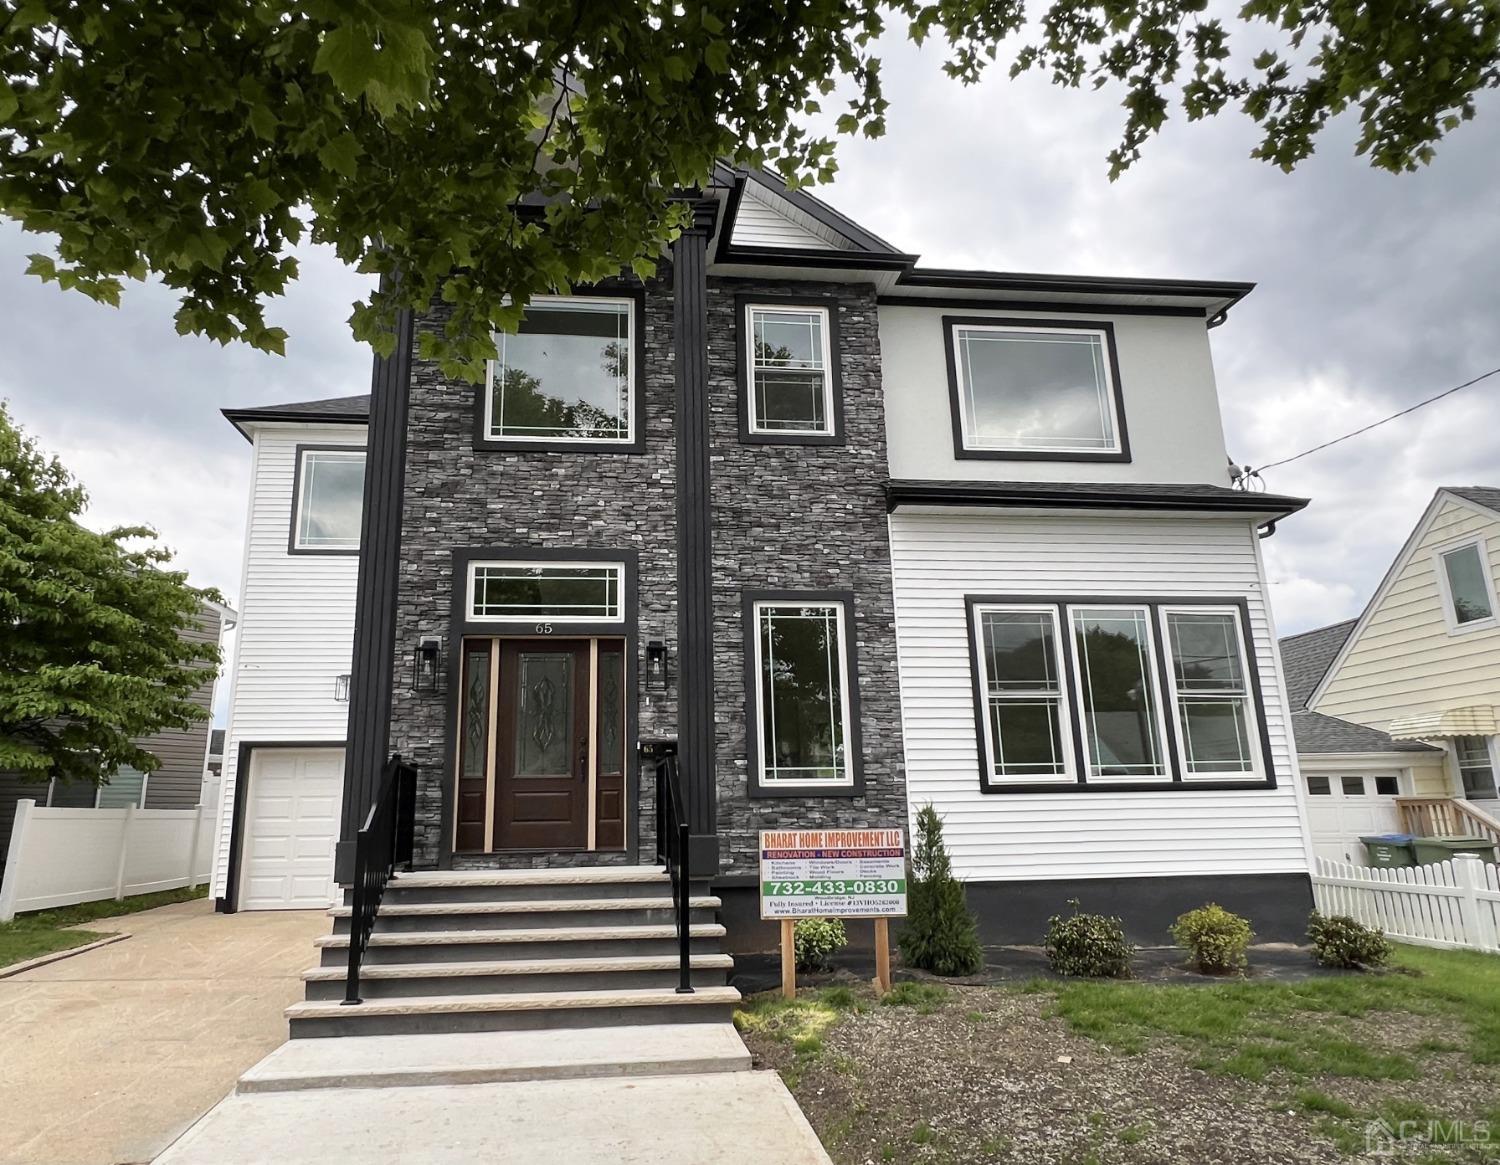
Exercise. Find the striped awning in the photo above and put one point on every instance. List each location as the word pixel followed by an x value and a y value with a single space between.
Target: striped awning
pixel 1475 720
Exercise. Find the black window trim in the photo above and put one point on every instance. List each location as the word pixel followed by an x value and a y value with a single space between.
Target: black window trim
pixel 637 295
pixel 291 533
pixel 756 787
pixel 962 452
pixel 743 302
pixel 1177 780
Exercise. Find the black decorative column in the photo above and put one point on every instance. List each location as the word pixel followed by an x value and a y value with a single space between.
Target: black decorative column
pixel 372 669
pixel 695 631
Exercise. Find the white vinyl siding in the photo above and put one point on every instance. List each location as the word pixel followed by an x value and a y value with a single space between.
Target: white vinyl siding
pixel 939 557
pixel 1402 659
pixel 763 220
pixel 296 629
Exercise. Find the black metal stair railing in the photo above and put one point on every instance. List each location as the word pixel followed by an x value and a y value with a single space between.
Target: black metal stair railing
pixel 672 851
pixel 384 843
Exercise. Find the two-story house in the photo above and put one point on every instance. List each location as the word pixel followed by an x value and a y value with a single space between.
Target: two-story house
pixel 1398 711
pixel 845 535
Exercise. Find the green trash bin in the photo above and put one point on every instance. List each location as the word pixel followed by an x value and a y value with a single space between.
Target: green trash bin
pixel 1440 849
pixel 1387 850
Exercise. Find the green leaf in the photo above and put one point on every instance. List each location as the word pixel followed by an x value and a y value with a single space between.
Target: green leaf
pixel 263 122
pixel 341 154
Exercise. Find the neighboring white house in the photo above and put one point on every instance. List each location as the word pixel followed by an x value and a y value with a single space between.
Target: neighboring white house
pixel 1398 726
pixel 283 752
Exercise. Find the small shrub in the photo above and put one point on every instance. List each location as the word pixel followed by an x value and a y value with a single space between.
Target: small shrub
pixel 1216 939
pixel 940 934
pixel 815 939
pixel 1339 941
pixel 1088 945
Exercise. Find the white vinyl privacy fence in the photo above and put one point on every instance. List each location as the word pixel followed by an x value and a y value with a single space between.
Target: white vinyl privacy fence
pixel 59 857
pixel 1450 904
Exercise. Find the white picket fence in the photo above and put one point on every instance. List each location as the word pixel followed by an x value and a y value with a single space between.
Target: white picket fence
pixel 59 857
pixel 1450 904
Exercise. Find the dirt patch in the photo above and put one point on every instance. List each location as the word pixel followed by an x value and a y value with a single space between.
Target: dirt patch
pixel 991 1077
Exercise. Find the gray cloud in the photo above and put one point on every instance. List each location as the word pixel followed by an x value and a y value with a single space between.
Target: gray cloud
pixel 1375 290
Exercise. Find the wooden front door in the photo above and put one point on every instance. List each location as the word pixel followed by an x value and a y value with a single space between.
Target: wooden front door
pixel 542 745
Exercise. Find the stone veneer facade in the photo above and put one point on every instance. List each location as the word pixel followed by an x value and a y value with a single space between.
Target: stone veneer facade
pixel 785 517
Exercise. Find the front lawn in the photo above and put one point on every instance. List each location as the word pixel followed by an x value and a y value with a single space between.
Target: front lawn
pixel 1097 1073
pixel 28 936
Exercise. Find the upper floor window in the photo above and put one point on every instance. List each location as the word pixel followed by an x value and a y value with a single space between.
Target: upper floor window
pixel 1030 389
pixel 329 495
pixel 566 376
pixel 1468 588
pixel 802 700
pixel 1131 693
pixel 790 380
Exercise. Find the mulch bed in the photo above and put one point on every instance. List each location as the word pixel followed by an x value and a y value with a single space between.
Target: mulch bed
pixel 991 1077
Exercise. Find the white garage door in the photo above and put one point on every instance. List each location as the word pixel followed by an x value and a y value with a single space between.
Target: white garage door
pixel 291 827
pixel 1343 808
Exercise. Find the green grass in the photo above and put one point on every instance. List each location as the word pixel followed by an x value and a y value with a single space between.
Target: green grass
pixel 1252 1029
pixel 29 936
pixel 925 997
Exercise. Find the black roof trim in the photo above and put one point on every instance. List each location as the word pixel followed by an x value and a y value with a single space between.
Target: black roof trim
pixel 338 410
pixel 787 257
pixel 1075 284
pixel 1081 496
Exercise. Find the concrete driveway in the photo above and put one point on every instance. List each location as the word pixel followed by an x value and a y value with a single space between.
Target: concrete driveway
pixel 110 1054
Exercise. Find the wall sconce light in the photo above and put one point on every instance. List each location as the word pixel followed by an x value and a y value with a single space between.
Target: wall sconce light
pixel 657 670
pixel 341 688
pixel 427 664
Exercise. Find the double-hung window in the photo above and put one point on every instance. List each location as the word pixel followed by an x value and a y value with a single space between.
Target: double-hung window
pixel 1023 694
pixel 790 390
pixel 566 376
pixel 1467 586
pixel 1035 389
pixel 328 500
pixel 1211 692
pixel 1079 693
pixel 804 732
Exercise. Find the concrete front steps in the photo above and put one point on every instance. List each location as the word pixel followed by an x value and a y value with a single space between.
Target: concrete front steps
pixel 499 1057
pixel 517 950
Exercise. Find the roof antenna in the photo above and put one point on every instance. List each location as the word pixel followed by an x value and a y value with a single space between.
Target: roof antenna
pixel 1245 479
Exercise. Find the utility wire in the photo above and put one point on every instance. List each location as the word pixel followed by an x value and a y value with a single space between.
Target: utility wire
pixel 1383 420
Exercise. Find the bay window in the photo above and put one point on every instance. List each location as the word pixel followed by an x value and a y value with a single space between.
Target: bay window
pixel 1073 694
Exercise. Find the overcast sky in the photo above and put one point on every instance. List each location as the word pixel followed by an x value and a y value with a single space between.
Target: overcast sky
pixel 1374 291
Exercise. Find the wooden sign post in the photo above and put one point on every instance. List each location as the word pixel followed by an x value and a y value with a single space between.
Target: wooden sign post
pixel 832 873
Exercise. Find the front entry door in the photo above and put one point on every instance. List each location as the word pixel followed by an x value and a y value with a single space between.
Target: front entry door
pixel 542 745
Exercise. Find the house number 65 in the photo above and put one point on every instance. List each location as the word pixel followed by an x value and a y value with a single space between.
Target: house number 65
pixel 544 628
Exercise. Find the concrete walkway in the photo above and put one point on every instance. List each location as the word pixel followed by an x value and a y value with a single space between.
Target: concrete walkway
pixel 110 1054
pixel 629 1095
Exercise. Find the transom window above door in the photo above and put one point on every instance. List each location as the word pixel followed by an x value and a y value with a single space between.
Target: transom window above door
pixel 567 376
pixel 790 387
pixel 1033 389
pixel 555 592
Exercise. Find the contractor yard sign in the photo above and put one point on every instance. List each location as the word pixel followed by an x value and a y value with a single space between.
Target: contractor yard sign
pixel 832 873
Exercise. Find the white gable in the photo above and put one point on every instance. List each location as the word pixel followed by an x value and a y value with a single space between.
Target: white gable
pixel 764 220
